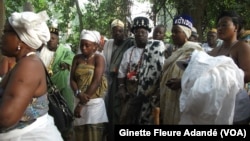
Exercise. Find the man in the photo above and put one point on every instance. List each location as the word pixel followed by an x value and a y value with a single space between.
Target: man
pixel 139 75
pixel 212 40
pixel 58 60
pixel 113 51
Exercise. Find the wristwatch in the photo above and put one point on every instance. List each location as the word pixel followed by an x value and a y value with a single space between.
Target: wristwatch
pixel 77 92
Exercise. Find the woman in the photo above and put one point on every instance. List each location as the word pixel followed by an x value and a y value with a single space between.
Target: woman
pixel 229 25
pixel 6 64
pixel 170 87
pixel 24 104
pixel 89 84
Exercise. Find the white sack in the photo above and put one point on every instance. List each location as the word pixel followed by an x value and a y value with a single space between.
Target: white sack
pixel 209 88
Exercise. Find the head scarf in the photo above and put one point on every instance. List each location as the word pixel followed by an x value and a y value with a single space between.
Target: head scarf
pixel 31 27
pixel 185 23
pixel 194 32
pixel 213 30
pixel 117 22
pixel 186 30
pixel 93 36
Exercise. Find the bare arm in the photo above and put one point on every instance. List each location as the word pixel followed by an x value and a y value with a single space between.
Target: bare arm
pixel 26 81
pixel 73 83
pixel 98 73
pixel 242 59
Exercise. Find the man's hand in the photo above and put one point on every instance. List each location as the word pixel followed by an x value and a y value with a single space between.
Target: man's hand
pixel 64 66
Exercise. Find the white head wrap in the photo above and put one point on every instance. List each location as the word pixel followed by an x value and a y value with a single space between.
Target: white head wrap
pixel 117 22
pixel 93 36
pixel 31 27
pixel 186 30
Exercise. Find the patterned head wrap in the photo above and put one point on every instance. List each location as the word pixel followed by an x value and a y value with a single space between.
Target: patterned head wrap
pixel 93 36
pixel 31 27
pixel 117 22
pixel 54 30
pixel 185 22
pixel 141 22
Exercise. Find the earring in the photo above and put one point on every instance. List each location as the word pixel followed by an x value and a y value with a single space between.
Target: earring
pixel 18 47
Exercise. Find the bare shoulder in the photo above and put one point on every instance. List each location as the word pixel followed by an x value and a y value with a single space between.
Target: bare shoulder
pixel 99 57
pixel 29 69
pixel 242 47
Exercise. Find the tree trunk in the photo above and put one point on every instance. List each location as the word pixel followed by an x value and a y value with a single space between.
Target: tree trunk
pixel 2 16
pixel 195 9
pixel 2 20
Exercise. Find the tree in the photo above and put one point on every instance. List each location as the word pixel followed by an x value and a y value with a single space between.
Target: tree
pixel 203 12
pixel 98 14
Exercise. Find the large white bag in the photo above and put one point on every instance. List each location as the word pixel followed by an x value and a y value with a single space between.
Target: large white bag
pixel 209 89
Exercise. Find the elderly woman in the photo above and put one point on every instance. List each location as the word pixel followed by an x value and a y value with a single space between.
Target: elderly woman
pixel 89 84
pixel 24 104
pixel 170 87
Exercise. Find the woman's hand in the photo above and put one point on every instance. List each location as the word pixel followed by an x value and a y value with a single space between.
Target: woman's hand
pixel 174 83
pixel 84 98
pixel 77 111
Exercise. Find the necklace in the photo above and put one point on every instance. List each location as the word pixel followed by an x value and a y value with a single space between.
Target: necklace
pixel 224 50
pixel 30 53
pixel 87 59
pixel 133 74
pixel 49 68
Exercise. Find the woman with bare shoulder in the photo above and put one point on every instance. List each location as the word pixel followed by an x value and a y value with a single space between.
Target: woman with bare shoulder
pixel 89 83
pixel 229 25
pixel 23 96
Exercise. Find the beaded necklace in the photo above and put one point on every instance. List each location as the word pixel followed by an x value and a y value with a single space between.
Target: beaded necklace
pixel 132 75
pixel 86 59
pixel 49 68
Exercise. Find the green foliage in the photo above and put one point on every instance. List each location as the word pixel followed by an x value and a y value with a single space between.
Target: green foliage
pixel 168 38
pixel 211 10
pixel 97 16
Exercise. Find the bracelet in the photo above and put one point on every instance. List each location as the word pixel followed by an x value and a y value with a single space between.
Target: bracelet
pixel 77 92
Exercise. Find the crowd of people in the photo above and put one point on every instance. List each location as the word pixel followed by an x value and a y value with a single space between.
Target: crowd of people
pixel 123 80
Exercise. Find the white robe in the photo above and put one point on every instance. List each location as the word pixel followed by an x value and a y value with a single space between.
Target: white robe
pixel 43 129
